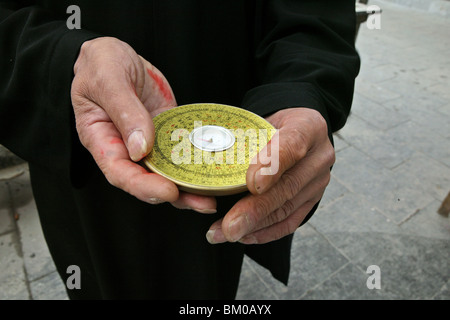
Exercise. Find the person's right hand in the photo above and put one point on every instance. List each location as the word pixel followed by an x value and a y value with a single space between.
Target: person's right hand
pixel 115 94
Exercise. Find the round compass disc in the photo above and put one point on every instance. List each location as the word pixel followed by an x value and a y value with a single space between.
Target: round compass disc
pixel 206 148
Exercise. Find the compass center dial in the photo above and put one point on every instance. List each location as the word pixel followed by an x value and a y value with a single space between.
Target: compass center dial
pixel 212 138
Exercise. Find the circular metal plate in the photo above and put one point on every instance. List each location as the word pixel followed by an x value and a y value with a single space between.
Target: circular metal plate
pixel 206 148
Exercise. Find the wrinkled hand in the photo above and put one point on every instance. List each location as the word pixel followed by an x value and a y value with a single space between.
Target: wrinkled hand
pixel 279 202
pixel 115 94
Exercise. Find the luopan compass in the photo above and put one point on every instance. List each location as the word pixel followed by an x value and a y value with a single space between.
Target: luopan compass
pixel 206 148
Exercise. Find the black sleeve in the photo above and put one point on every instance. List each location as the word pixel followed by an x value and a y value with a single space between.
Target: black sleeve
pixel 37 54
pixel 305 57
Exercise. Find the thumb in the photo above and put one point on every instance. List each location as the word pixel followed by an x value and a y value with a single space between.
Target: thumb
pixel 131 119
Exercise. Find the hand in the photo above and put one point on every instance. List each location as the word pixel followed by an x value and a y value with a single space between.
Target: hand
pixel 115 94
pixel 280 201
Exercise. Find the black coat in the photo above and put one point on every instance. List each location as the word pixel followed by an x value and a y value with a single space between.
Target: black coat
pixel 262 55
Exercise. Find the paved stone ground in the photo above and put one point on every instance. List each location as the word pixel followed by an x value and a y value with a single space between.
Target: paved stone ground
pixel 391 175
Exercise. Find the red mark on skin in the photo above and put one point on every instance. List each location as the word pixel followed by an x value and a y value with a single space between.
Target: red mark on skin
pixel 162 86
pixel 115 141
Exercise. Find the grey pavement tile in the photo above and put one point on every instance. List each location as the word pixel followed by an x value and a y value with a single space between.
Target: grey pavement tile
pixel 349 283
pixel 412 267
pixel 375 142
pixel 387 192
pixel 436 57
pixel 444 294
pixel 440 89
pixel 6 216
pixel 12 172
pixel 7 160
pixel 434 121
pixel 5 202
pixel 49 287
pixel 428 223
pixel 377 74
pixel 6 221
pixel 37 259
pixel 375 92
pixel 339 143
pixel 406 83
pixel 351 213
pixel 334 191
pixel 376 114
pixel 364 248
pixel 368 61
pixel 418 270
pixel 415 104
pixel 398 199
pixel 261 279
pixel 313 260
pixel 251 285
pixel 422 139
pixel 444 110
pixel 13 285
pixel 426 175
pixel 438 72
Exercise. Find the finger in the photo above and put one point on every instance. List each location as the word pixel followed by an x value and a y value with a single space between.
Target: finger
pixel 202 204
pixel 311 193
pixel 289 145
pixel 130 116
pixel 245 215
pixel 111 155
pixel 215 234
pixel 115 95
pixel 261 177
pixel 281 229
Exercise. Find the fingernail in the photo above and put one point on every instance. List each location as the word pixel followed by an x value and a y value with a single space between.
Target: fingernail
pixel 248 240
pixel 155 201
pixel 215 236
pixel 238 227
pixel 137 146
pixel 206 211
pixel 262 181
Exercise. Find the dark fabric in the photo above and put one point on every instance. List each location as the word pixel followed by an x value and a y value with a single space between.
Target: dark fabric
pixel 260 55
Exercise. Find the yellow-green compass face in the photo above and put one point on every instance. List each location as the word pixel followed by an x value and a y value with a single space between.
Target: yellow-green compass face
pixel 207 148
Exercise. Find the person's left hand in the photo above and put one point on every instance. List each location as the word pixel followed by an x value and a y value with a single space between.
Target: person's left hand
pixel 279 202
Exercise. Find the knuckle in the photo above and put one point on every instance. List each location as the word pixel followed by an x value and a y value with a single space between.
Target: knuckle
pixel 300 144
pixel 283 212
pixel 261 206
pixel 321 123
pixel 294 146
pixel 291 184
pixel 329 155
